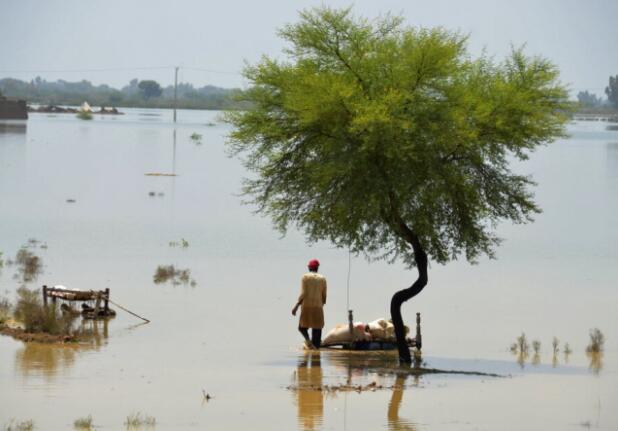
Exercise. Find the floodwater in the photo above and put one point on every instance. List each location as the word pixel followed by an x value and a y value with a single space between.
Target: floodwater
pixel 80 188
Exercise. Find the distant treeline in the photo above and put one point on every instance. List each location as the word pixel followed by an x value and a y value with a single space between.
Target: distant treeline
pixel 591 102
pixel 146 94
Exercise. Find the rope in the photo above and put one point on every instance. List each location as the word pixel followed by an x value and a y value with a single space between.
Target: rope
pixel 128 311
pixel 349 271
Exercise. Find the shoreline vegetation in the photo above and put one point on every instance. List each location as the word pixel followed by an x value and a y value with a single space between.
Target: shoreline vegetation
pixel 54 97
pixel 137 94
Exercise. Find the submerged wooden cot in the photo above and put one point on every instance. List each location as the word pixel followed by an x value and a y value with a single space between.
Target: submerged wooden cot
pixel 415 342
pixel 74 295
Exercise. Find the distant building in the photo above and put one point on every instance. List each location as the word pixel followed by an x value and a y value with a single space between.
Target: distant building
pixel 11 109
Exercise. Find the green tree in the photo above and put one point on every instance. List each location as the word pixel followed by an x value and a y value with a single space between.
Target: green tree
pixel 587 99
pixel 392 141
pixel 150 89
pixel 612 91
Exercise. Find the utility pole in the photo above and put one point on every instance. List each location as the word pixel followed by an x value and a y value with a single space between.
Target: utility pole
pixel 175 90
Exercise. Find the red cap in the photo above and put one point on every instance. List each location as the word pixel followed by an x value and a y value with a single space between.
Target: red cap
pixel 313 264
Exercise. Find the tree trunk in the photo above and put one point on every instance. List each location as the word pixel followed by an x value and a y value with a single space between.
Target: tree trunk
pixel 420 257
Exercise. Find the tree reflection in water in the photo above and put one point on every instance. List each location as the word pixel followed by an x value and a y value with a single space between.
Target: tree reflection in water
pixel 358 368
pixel 396 423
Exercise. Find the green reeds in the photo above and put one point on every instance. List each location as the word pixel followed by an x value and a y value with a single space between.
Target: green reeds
pixel 84 424
pixel 84 115
pixel 137 420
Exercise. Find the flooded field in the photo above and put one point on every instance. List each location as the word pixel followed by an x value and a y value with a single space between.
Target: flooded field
pixel 132 202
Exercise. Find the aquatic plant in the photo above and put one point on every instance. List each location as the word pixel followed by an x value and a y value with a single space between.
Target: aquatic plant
pixel 182 243
pixel 5 310
pixel 83 424
pixel 536 346
pixel 597 340
pixel 84 115
pixel 554 344
pixel 19 426
pixel 522 344
pixel 567 349
pixel 196 137
pixel 37 317
pixel 136 420
pixel 30 265
pixel 165 273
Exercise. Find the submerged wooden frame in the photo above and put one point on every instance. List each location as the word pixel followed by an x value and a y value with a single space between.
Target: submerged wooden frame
pixel 71 295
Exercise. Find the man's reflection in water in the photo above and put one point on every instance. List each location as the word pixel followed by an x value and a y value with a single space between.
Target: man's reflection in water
pixel 309 396
pixel 394 421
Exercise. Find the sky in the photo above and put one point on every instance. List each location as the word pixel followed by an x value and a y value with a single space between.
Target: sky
pixel 113 41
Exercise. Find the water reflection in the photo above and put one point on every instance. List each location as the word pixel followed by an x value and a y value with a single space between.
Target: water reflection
pixel 12 127
pixel 47 360
pixel 394 421
pixel 309 399
pixel 612 158
pixel 596 362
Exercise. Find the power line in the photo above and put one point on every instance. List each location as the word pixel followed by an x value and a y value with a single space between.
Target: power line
pixel 116 69
pixel 109 69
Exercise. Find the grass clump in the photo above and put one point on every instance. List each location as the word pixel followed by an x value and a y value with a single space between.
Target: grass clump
pixel 83 424
pixel 19 426
pixel 84 115
pixel 5 310
pixel 29 265
pixel 196 137
pixel 36 317
pixel 536 346
pixel 597 340
pixel 165 273
pixel 522 346
pixel 137 420
pixel 182 243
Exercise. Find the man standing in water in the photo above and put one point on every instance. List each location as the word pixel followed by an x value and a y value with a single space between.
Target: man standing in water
pixel 311 300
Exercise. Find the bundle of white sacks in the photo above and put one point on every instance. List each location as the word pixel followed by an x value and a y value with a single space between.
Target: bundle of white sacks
pixel 378 330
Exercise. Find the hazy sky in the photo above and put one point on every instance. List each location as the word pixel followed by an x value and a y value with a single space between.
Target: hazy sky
pixel 75 40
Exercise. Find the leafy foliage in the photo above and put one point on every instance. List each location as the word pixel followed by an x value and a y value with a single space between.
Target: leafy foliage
pixel 74 93
pixel 370 126
pixel 612 91
pixel 589 100
pixel 30 310
pixel 149 89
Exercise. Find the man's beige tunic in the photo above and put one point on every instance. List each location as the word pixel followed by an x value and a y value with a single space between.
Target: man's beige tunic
pixel 312 299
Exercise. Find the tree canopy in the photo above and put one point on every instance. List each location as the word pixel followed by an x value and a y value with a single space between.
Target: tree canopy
pixel 371 134
pixel 150 89
pixel 612 91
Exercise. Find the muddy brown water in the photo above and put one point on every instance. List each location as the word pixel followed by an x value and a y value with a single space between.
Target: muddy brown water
pixel 232 335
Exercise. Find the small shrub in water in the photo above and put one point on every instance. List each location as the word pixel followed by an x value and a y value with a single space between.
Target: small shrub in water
pixel 597 339
pixel 36 317
pixel 5 310
pixel 136 420
pixel 165 273
pixel 30 265
pixel 83 424
pixel 522 344
pixel 536 346
pixel 554 344
pixel 84 115
pixel 196 137
pixel 20 426
pixel 567 349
